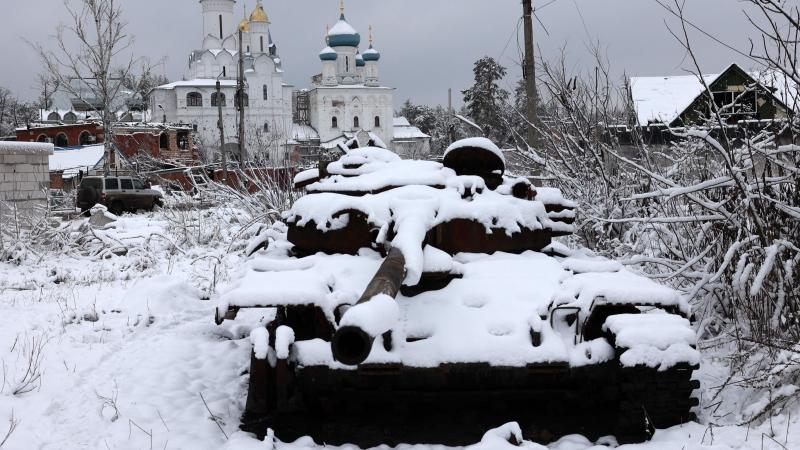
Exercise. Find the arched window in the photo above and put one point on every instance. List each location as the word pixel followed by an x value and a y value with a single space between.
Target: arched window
pixel 224 71
pixel 334 122
pixel 377 121
pixel 262 44
pixel 347 64
pixel 54 116
pixel 61 140
pixel 266 93
pixel 239 102
pixel 70 117
pixel 266 127
pixel 215 101
pixel 220 26
pixel 163 141
pixel 355 122
pixel 194 99
pixel 85 138
pixel 42 138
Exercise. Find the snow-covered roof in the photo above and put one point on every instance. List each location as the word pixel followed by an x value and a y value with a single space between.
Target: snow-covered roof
pixel 662 99
pixel 342 27
pixel 25 148
pixel 400 122
pixel 408 132
pixel 76 158
pixel 303 133
pixel 198 82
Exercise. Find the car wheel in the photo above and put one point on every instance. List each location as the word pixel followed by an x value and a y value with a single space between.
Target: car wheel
pixel 116 208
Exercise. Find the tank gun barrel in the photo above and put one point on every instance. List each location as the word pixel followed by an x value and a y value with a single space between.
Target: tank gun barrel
pixel 352 342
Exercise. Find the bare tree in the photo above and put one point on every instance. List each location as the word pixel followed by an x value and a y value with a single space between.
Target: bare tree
pixel 86 51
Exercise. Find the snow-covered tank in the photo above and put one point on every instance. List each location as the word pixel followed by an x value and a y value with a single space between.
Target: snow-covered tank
pixel 425 302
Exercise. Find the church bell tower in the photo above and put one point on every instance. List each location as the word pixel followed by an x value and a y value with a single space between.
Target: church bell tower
pixel 218 20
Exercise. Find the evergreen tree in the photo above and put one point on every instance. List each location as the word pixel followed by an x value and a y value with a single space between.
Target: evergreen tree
pixel 486 100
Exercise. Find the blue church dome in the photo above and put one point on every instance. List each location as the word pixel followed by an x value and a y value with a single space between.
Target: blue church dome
pixel 343 35
pixel 371 54
pixel 328 54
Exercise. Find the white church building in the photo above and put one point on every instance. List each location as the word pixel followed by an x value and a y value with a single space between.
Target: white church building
pixel 346 105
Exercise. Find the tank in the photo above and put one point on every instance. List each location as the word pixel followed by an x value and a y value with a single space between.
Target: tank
pixel 426 302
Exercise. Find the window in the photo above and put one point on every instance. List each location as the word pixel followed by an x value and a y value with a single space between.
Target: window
pixel 183 140
pixel 163 141
pixel 54 117
pixel 334 123
pixel 347 64
pixel 126 184
pixel 85 138
pixel 61 140
pixel 224 71
pixel 377 122
pixel 221 99
pixel 70 117
pixel 266 127
pixel 94 183
pixel 266 93
pixel 194 99
pixel 745 103
pixel 220 26
pixel 262 44
pixel 137 184
pixel 112 184
pixel 355 123
pixel 42 138
pixel 239 101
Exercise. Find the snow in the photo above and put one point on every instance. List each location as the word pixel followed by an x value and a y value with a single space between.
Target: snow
pixel 284 338
pixel 654 340
pixel 376 316
pixel 306 175
pixel 662 99
pixel 478 142
pixel 79 158
pixel 130 343
pixel 198 82
pixel 342 28
pixel 25 148
pixel 260 339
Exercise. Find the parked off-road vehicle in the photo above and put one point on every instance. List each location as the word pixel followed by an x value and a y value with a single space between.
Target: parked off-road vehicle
pixel 119 194
pixel 425 302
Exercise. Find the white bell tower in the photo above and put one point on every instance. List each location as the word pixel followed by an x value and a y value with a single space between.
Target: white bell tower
pixel 218 20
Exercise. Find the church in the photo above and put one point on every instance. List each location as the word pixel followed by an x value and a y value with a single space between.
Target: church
pixel 346 106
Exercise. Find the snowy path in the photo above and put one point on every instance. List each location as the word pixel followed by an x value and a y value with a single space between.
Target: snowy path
pixel 130 346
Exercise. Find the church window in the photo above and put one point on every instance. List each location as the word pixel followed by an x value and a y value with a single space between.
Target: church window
pixel 224 71
pixel 266 127
pixel 262 44
pixel 54 117
pixel 355 123
pixel 266 93
pixel 220 26
pixel 194 99
pixel 70 117
pixel 334 123
pixel 377 121
pixel 214 99
pixel 239 101
pixel 347 64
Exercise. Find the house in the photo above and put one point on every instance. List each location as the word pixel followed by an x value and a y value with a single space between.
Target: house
pixel 410 141
pixel 742 97
pixel 164 144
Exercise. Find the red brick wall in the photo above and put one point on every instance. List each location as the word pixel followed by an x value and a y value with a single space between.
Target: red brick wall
pixel 72 132
pixel 131 144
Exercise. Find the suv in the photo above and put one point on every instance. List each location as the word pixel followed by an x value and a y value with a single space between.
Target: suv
pixel 118 194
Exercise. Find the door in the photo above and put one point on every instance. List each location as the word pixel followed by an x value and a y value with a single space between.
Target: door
pixel 128 194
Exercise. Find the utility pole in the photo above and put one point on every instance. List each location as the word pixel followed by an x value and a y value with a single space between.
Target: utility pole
pixel 241 104
pixel 529 71
pixel 221 125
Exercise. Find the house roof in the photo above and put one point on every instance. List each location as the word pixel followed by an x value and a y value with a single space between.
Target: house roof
pixel 664 99
pixel 79 158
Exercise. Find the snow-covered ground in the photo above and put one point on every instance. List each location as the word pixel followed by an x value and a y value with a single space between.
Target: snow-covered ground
pixel 110 343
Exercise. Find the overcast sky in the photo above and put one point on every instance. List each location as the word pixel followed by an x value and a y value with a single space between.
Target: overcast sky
pixel 428 46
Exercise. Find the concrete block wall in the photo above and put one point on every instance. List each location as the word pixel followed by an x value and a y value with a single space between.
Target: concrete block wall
pixel 24 179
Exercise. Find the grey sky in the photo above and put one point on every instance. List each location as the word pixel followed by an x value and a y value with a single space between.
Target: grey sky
pixel 428 46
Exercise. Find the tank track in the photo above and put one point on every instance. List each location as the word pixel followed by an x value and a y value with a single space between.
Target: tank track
pixel 650 399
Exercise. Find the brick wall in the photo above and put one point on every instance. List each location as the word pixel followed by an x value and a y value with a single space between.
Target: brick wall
pixel 24 179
